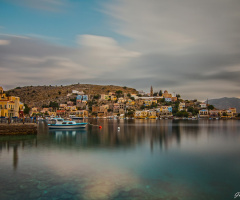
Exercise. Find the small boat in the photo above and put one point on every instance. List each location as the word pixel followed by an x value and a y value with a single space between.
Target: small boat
pixel 59 123
pixel 74 117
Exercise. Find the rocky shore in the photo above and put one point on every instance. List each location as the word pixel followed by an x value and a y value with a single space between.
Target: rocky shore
pixel 18 129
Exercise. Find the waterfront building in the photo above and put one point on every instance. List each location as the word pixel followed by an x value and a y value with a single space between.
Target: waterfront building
pixel 214 113
pixel 203 113
pixel 234 111
pixel 152 114
pixel 181 106
pixel 141 114
pixel 10 106
pixel 164 111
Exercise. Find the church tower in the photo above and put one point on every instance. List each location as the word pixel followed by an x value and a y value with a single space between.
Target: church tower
pixel 151 92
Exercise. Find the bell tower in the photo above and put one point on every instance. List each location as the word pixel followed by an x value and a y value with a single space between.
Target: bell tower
pixel 151 91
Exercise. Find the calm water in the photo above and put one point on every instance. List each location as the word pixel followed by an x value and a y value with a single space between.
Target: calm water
pixel 146 159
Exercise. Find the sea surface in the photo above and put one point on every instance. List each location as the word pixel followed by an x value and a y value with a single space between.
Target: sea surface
pixel 142 159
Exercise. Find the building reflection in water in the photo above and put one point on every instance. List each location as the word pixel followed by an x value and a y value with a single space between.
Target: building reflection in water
pixel 126 134
pixel 14 143
pixel 157 134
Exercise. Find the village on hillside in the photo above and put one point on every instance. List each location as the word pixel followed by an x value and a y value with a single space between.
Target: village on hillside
pixel 153 105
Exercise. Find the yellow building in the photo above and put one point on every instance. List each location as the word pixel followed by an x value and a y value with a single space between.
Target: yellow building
pixel 166 94
pixel 141 114
pixel 10 106
pixel 152 114
pixel 113 98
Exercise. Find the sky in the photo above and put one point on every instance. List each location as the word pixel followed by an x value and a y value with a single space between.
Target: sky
pixel 187 47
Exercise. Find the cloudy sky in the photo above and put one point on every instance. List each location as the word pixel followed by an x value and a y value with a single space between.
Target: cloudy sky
pixel 189 47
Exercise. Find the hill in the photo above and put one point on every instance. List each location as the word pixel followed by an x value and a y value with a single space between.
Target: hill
pixel 36 96
pixel 225 103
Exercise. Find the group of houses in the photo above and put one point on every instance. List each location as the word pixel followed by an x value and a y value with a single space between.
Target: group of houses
pixel 116 104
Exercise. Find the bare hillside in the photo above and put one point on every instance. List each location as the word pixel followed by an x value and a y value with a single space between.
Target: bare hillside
pixel 39 95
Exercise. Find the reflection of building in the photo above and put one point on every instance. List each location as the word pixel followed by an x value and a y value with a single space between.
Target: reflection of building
pixel 16 145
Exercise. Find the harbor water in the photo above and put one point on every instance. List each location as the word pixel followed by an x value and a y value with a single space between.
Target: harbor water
pixel 125 159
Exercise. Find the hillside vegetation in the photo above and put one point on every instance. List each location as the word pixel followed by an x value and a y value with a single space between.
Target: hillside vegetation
pixel 36 96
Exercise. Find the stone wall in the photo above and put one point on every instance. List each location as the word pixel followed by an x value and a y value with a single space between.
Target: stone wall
pixel 18 129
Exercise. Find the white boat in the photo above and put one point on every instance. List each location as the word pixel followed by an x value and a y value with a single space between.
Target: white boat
pixel 59 123
pixel 74 117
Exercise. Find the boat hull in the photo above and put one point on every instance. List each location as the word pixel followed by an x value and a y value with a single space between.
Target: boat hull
pixel 66 126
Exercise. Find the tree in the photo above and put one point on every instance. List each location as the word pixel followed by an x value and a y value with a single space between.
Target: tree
pixel 118 93
pixel 97 96
pixel 142 107
pixel 129 95
pixel 26 109
pixel 190 109
pixel 162 100
pixel 178 96
pixel 59 92
pixel 53 104
pixel 45 106
pixel 182 114
pixel 130 113
pixel 160 93
pixel 210 107
pixel 224 114
pixel 155 94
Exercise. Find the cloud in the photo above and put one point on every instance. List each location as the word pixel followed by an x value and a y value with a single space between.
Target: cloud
pixel 182 45
pixel 32 61
pixel 4 42
pixel 103 52
pixel 47 5
pixel 191 48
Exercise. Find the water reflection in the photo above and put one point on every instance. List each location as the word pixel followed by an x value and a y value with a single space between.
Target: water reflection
pixel 126 159
pixel 14 143
pixel 130 133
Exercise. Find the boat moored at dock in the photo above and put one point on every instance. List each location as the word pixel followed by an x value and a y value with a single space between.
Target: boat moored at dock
pixel 59 123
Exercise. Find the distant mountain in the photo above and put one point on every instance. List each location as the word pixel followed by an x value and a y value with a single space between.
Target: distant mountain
pixel 225 103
